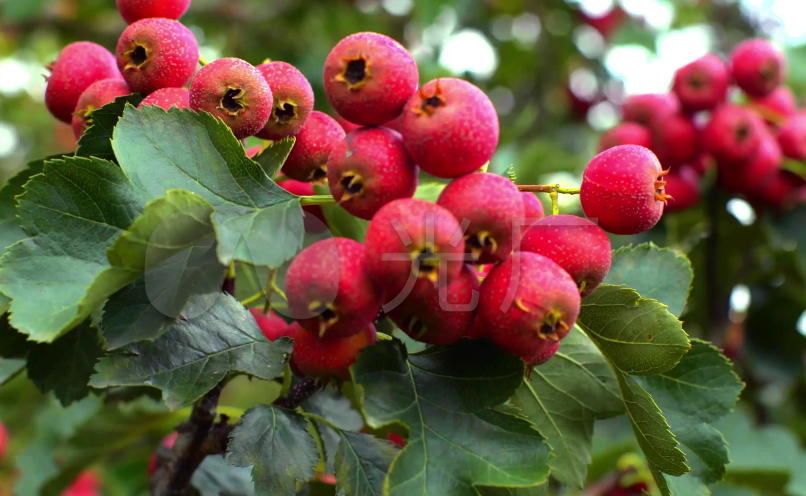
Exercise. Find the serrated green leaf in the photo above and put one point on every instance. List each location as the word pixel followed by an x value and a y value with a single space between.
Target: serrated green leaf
pixel 686 485
pixel 361 464
pixel 336 409
pixel 638 336
pixel 199 153
pixel 443 396
pixel 97 140
pixel 272 158
pixel 66 365
pixel 9 368
pixel 275 442
pixel 216 477
pixel 655 273
pixel 196 354
pixel 701 390
pixel 564 397
pixel 10 228
pixel 13 344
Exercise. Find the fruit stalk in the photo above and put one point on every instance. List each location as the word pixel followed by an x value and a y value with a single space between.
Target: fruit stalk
pixel 541 188
pixel 298 393
pixel 317 200
pixel 202 61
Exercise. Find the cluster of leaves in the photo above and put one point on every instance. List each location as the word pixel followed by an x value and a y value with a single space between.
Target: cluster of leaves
pixel 114 280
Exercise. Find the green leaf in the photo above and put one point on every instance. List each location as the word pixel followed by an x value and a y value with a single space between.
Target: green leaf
pixel 564 397
pixel 196 354
pixel 66 365
pixel 275 442
pixel 10 229
pixel 216 477
pixel 443 396
pixel 701 390
pixel 362 462
pixel 272 158
pixel 655 273
pixel 198 153
pixel 72 212
pixel 331 405
pixel 429 191
pixel 9 368
pixel 97 140
pixel 13 344
pixel 638 336
pixel 541 490
pixel 686 485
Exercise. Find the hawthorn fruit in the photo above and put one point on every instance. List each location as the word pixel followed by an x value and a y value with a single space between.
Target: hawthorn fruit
pixel 293 100
pixel 307 161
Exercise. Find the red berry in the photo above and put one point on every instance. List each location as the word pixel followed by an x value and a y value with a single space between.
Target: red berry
pixel 450 128
pixel 329 358
pixel 622 189
pixel 546 352
pixel 308 159
pixel 3 440
pixel 271 325
pixel 626 133
pixel 313 216
pixel 346 125
pixel 477 330
pixel 649 108
pixel 780 192
pixel 397 439
pixel 396 124
pixel 732 135
pixel 368 169
pixel 96 96
pixel 527 300
pixel 87 483
pixel 293 100
pixel 167 98
pixel 702 84
pixel 676 141
pixel 532 208
pixel 157 53
pixel 792 137
pixel 606 23
pixel 235 92
pixel 78 66
pixel 494 208
pixel 442 314
pixel 369 77
pixel 777 106
pixel 133 10
pixel 757 172
pixel 168 442
pixel 328 290
pixel 703 163
pixel 757 66
pixel 577 245
pixel 412 238
pixel 683 188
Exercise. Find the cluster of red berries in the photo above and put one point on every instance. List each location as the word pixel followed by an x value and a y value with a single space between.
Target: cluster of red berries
pixel 701 124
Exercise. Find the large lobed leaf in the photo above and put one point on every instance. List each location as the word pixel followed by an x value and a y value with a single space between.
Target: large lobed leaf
pixel 97 140
pixel 444 397
pixel 10 229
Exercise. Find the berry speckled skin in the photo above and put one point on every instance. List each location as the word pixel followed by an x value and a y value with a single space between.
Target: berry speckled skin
pixel 96 96
pixel 346 125
pixel 271 325
pixel 477 330
pixel 619 190
pixel 308 159
pixel 545 303
pixel 546 353
pixel 577 245
pixel 133 10
pixel 792 137
pixel 424 319
pixel 403 228
pixel 167 98
pixel 494 207
pixel 532 208
pixel 329 292
pixel 157 53
pixel 757 66
pixel 369 77
pixel 683 185
pixel 293 100
pixel 368 169
pixel 732 135
pixel 213 87
pixel 78 66
pixel 756 173
pixel 779 104
pixel 450 128
pixel 626 133
pixel 329 358
pixel 306 189
pixel 649 108
pixel 675 141
pixel 702 84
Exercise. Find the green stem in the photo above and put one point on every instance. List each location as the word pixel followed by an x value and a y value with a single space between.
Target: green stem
pixel 317 200
pixel 555 207
pixel 542 188
pixel 202 61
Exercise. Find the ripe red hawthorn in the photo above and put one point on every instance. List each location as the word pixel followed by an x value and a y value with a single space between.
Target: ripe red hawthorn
pixel 78 66
pixel 450 128
pixel 3 440
pixel 732 135
pixel 133 10
pixel 532 208
pixel 328 290
pixel 167 98
pixel 493 205
pixel 526 300
pixel 293 100
pixel 271 325
pixel 702 84
pixel 577 245
pixel 329 358
pixel 307 161
pixel 776 107
pixel 313 215
pixel 157 53
pixel 623 190
pixel 792 137
pixel 676 141
pixel 757 66
pixel 683 187
pixel 626 133
pixel 756 173
pixel 649 108
pixel 368 169
pixel 96 96
pixel 544 354
pixel 369 77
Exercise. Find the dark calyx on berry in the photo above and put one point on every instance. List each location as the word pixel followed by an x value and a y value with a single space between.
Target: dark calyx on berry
pixel 138 56
pixel 416 327
pixel 355 72
pixel 232 101
pixel 284 112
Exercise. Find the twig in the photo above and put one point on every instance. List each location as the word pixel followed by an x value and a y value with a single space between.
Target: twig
pixel 548 188
pixel 299 393
pixel 317 200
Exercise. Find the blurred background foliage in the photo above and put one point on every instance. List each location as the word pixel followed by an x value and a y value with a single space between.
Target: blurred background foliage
pixel 556 71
